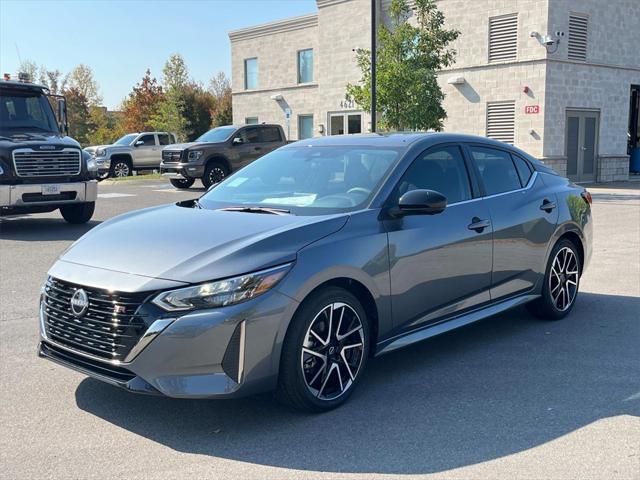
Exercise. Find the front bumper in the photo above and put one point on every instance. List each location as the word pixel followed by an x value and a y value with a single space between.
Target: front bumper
pixel 103 164
pixel 217 353
pixel 30 195
pixel 181 170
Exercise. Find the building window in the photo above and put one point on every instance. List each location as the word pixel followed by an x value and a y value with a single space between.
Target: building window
pixel 503 38
pixel 305 66
pixel 578 31
pixel 501 120
pixel 305 126
pixel 250 73
pixel 251 120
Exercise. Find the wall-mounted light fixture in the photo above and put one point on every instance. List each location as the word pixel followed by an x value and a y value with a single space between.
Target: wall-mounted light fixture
pixel 277 98
pixel 456 80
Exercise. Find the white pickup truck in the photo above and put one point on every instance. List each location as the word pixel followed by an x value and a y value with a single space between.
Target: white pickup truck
pixel 134 151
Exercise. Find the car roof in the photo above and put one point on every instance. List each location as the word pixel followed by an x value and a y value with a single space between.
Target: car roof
pixel 22 85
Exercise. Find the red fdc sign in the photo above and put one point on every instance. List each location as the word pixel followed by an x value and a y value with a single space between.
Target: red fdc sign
pixel 532 109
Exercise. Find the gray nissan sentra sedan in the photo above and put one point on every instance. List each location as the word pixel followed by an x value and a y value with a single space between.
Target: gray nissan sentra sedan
pixel 292 272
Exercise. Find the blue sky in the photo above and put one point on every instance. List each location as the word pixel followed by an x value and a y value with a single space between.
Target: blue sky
pixel 120 39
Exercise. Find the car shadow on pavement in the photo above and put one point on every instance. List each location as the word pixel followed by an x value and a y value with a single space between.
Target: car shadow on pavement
pixel 495 388
pixel 29 229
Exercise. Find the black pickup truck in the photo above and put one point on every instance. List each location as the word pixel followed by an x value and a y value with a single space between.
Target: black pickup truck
pixel 218 153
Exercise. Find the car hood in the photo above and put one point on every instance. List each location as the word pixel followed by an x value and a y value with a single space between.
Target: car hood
pixel 26 139
pixel 196 245
pixel 184 146
pixel 93 148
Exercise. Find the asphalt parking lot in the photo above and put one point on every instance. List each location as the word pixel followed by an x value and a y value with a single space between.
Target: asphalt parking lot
pixel 510 397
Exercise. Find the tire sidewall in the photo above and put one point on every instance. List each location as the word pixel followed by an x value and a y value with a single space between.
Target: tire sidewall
pixel 296 336
pixel 207 172
pixel 550 308
pixel 113 168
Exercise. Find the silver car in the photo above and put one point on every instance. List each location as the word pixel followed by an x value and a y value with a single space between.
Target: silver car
pixel 292 272
pixel 134 151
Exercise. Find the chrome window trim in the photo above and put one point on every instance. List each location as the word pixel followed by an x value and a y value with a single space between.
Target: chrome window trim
pixel 31 150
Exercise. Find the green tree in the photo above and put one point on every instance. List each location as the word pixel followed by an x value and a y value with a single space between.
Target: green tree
pixel 78 115
pixel 409 55
pixel 105 127
pixel 197 106
pixel 221 113
pixel 175 73
pixel 81 79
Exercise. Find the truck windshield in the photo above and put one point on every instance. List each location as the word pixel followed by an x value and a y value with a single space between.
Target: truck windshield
pixel 27 111
pixel 219 134
pixel 307 181
pixel 127 139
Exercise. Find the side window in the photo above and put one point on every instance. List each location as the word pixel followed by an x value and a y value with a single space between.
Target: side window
pixel 149 140
pixel 441 169
pixel 524 170
pixel 269 134
pixel 496 169
pixel 249 135
pixel 163 139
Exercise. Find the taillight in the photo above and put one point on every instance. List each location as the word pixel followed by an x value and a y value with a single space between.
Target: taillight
pixel 586 196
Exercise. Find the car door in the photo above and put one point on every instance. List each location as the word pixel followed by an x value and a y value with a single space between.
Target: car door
pixel 163 140
pixel 144 149
pixel 270 138
pixel 440 264
pixel 247 146
pixel 524 216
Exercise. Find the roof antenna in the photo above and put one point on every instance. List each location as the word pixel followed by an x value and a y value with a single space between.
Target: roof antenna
pixel 18 52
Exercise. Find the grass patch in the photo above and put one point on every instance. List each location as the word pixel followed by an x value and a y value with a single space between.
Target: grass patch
pixel 133 178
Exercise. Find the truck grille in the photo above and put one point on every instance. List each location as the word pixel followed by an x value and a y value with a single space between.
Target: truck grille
pixel 33 163
pixel 109 328
pixel 171 156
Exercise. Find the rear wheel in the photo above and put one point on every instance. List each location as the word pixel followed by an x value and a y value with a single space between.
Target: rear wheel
pixel 182 182
pixel 120 168
pixel 78 212
pixel 561 282
pixel 325 351
pixel 214 173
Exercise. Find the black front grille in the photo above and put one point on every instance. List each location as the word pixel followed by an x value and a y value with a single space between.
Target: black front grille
pixel 38 197
pixel 110 327
pixel 171 156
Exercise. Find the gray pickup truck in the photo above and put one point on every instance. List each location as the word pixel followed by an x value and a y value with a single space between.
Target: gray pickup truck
pixel 218 153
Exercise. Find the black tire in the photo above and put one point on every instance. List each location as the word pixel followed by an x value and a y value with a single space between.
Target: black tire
pixel 214 173
pixel 103 175
pixel 120 168
pixel 182 182
pixel 298 383
pixel 558 287
pixel 78 212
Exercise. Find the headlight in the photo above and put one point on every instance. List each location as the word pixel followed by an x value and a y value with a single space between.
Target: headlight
pixel 223 292
pixel 92 166
pixel 101 152
pixel 195 155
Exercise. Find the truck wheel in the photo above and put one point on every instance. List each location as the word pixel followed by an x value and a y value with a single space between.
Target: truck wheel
pixel 120 168
pixel 214 173
pixel 182 182
pixel 78 213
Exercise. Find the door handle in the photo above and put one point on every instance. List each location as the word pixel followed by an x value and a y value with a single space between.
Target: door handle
pixel 257 148
pixel 547 205
pixel 478 225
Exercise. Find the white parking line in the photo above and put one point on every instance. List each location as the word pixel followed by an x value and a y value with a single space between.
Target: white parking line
pixel 115 195
pixel 172 190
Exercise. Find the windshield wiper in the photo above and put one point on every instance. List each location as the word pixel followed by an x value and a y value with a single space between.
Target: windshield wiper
pixel 272 211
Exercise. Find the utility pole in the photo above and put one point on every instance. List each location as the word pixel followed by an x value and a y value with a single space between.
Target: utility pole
pixel 373 65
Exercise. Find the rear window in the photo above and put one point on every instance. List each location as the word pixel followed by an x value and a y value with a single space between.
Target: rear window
pixel 497 170
pixel 524 170
pixel 270 134
pixel 163 138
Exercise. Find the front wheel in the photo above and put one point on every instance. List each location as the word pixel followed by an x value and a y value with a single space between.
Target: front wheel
pixel 120 168
pixel 325 351
pixel 78 212
pixel 214 173
pixel 561 282
pixel 182 182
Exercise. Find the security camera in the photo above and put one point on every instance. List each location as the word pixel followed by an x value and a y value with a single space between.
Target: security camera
pixel 559 33
pixel 549 40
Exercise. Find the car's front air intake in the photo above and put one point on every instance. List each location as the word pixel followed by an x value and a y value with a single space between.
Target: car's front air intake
pixel 101 323
pixel 48 163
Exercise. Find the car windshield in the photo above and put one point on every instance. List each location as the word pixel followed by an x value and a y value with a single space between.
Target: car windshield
pixel 126 140
pixel 26 111
pixel 219 134
pixel 306 180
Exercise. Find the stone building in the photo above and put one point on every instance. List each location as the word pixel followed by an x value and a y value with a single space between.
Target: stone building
pixel 557 78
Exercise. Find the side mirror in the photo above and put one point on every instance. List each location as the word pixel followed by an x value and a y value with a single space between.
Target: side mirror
pixel 139 143
pixel 62 116
pixel 421 202
pixel 238 141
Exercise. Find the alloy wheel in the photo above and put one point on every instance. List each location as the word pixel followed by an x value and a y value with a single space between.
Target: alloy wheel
pixel 333 351
pixel 563 281
pixel 216 175
pixel 121 169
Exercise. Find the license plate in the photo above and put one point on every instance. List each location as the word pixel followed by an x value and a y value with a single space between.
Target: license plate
pixel 50 189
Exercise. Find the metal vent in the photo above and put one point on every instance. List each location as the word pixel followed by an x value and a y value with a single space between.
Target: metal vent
pixel 503 38
pixel 501 118
pixel 578 34
pixel 34 163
